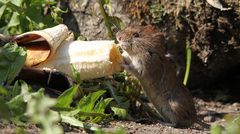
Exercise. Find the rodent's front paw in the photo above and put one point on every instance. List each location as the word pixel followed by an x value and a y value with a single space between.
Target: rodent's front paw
pixel 127 62
pixel 127 67
pixel 126 58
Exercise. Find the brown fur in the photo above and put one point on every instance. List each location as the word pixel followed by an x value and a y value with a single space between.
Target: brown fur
pixel 157 74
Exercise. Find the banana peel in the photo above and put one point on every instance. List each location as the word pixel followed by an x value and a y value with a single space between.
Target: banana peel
pixel 54 49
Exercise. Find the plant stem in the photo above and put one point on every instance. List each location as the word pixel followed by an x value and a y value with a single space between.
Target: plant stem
pixel 188 62
pixel 106 20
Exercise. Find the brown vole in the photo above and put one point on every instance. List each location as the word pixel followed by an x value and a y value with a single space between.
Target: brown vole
pixel 146 60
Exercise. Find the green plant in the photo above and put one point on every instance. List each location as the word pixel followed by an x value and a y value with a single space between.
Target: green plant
pixel 188 62
pixel 156 11
pixel 109 21
pixel 22 106
pixel 18 16
pixel 12 59
pixel 232 126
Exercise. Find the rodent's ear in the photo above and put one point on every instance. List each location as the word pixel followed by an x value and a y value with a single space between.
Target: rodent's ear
pixel 161 37
pixel 149 29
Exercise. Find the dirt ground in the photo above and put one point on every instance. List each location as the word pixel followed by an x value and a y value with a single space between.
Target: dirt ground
pixel 208 111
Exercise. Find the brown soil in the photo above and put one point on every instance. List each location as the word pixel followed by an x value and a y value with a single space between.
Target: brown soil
pixel 208 111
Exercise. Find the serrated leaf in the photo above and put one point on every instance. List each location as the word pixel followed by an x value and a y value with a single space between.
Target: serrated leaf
pixel 15 90
pixel 25 91
pixel 38 110
pixel 70 113
pixel 12 59
pixel 86 104
pixel 102 104
pixel 120 112
pixel 17 105
pixel 66 98
pixel 115 21
pixel 100 108
pixel 75 122
pixel 121 101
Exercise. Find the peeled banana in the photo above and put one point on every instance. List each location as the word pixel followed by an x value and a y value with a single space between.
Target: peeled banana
pixel 54 49
pixel 93 59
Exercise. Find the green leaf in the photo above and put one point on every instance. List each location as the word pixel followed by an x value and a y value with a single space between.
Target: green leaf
pixel 14 21
pixel 86 104
pixel 215 129
pixel 75 122
pixel 121 103
pixel 4 109
pixel 41 2
pixel 2 9
pixel 36 2
pixel 104 2
pixel 120 112
pixel 76 74
pixel 25 89
pixel 12 59
pixel 3 91
pixel 56 14
pixel 17 105
pixel 15 90
pixel 17 2
pixel 38 109
pixel 31 18
pixel 4 2
pixel 232 124
pixel 66 98
pixel 71 113
pixel 115 21
pixel 100 108
pixel 232 128
pixel 101 105
pixel 89 107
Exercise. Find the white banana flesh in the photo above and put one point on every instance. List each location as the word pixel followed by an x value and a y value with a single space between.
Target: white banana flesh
pixel 93 59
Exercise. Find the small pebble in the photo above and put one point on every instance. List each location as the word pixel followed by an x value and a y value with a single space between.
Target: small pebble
pixel 236 104
pixel 209 119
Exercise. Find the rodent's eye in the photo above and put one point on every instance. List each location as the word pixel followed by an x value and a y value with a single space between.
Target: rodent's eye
pixel 135 34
